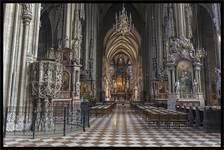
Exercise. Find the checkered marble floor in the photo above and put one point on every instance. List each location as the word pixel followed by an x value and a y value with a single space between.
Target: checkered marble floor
pixel 123 128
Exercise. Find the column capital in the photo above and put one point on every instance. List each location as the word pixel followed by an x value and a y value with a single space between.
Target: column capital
pixel 27 12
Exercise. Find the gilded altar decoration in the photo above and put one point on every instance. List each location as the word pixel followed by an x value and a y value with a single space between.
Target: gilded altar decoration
pixel 86 88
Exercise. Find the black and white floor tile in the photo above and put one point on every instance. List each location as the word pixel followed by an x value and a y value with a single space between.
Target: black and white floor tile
pixel 123 128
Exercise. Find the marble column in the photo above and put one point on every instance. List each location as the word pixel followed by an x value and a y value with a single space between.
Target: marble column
pixel 27 17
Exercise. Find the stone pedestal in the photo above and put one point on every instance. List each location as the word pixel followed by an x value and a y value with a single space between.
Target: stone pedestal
pixel 171 102
pixel 201 99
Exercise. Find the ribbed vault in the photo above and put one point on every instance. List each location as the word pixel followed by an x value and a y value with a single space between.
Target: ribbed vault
pixel 115 43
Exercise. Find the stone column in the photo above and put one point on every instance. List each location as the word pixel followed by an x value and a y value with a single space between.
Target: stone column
pixel 197 70
pixel 171 103
pixel 36 30
pixel 67 26
pixel 217 23
pixel 8 29
pixel 31 57
pixel 11 59
pixel 77 45
pixel 171 77
pixel 88 34
pixel 73 82
pixel 188 20
pixel 94 49
pixel 77 84
pixel 27 17
pixel 180 20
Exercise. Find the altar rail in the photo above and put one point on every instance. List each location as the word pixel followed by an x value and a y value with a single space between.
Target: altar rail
pixel 18 122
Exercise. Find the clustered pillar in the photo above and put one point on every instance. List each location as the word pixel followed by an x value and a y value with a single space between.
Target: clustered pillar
pixel 27 17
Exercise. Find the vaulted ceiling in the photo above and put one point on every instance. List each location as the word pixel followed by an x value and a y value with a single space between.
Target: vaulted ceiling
pixel 115 43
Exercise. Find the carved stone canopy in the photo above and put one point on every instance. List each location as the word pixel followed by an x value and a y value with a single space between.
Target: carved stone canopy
pixel 178 44
pixel 182 48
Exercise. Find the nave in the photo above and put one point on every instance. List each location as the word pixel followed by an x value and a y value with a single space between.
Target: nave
pixel 123 128
pixel 69 67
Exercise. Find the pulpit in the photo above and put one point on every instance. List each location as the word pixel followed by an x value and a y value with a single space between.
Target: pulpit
pixel 46 83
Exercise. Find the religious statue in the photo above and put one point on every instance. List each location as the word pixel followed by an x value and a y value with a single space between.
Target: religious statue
pixel 177 88
pixel 27 8
pixel 186 82
pixel 195 88
pixel 65 82
pixel 75 48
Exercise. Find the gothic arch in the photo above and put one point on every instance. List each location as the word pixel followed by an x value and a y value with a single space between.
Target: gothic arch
pixel 208 40
pixel 45 35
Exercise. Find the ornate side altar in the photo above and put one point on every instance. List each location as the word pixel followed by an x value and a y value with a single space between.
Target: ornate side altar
pixel 184 79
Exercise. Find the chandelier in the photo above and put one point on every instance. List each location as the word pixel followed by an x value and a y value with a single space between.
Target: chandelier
pixel 123 24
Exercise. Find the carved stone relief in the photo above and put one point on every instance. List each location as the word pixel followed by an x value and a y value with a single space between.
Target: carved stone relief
pixel 27 11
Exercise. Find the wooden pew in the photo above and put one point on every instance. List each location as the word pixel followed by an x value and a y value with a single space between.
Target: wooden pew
pixel 160 116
